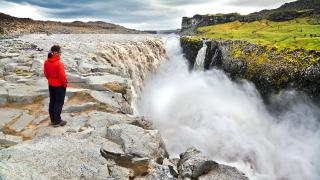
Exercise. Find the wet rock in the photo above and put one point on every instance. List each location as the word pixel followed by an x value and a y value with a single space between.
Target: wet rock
pixel 53 158
pixel 193 164
pixel 191 48
pixel 172 165
pixel 288 69
pixel 138 141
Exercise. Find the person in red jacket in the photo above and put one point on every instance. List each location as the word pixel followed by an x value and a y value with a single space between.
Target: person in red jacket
pixel 55 74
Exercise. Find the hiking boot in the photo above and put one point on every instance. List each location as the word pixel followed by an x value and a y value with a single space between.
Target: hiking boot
pixel 55 124
pixel 62 123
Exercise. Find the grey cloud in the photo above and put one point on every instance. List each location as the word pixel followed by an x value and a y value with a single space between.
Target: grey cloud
pixel 148 13
pixel 119 11
pixel 184 2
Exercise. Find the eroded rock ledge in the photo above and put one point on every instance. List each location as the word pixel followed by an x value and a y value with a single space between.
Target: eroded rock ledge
pixel 270 69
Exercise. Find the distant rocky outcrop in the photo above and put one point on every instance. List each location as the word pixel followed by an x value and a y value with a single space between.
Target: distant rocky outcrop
pixel 288 11
pixel 10 25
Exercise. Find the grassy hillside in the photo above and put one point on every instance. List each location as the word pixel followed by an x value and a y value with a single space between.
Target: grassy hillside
pixel 298 33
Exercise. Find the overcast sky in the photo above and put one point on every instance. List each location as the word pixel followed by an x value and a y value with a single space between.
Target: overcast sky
pixel 138 14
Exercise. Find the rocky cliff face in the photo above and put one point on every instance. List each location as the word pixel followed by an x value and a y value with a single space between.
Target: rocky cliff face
pixel 269 69
pixel 16 26
pixel 103 139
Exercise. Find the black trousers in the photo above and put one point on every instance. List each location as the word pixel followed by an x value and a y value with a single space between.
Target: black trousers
pixel 57 95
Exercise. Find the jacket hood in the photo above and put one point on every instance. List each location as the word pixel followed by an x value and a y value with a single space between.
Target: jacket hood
pixel 54 58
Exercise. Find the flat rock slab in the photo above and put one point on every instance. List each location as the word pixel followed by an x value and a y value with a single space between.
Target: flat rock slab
pixel 107 97
pixel 9 140
pixel 21 122
pixel 24 94
pixel 78 107
pixel 3 96
pixel 108 82
pixel 73 91
pixel 7 115
pixel 53 158
pixel 75 78
pixel 39 119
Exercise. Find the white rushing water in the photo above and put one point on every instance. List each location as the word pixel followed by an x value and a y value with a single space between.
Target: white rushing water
pixel 199 64
pixel 230 123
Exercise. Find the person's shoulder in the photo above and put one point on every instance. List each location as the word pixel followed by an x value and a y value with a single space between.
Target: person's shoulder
pixel 60 63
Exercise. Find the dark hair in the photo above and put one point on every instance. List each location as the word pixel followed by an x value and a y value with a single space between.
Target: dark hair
pixel 54 49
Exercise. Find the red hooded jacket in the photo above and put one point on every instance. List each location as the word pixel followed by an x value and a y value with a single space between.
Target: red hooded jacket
pixel 54 71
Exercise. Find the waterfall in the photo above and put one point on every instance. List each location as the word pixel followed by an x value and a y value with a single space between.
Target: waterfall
pixel 230 123
pixel 199 64
pixel 131 56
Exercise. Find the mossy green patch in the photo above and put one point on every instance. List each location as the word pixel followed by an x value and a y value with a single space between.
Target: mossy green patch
pixel 294 34
pixel 192 39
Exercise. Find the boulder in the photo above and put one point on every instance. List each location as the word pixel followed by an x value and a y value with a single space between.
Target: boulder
pixel 157 171
pixel 194 165
pixel 53 158
pixel 138 141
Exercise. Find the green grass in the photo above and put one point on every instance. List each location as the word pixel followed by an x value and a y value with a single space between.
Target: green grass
pixel 291 34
